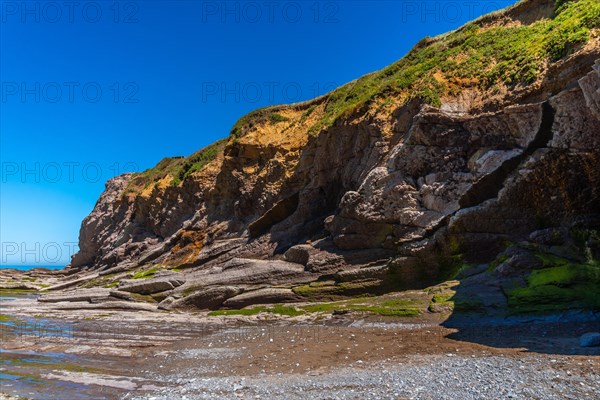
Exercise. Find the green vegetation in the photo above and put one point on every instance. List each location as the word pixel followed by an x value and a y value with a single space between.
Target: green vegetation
pixel 463 268
pixel 278 309
pixel 383 306
pixel 465 306
pixel 104 280
pixel 474 55
pixel 447 300
pixel 43 363
pixel 143 298
pixel 573 29
pixel 149 273
pixel 249 120
pixel 158 297
pixel 179 168
pixel 373 305
pixel 393 281
pixel 289 311
pixel 6 318
pixel 494 264
pixel 308 112
pixel 275 118
pixel 556 276
pixel 166 166
pixel 10 292
pixel 200 159
pixel 386 312
pixel 442 301
pixel 443 297
pixel 451 260
pixel 261 116
pixel 243 311
pixel 551 260
pixel 562 285
pixel 316 292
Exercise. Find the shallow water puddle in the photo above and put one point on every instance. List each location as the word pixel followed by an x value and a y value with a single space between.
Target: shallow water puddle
pixel 61 376
pixel 37 374
pixel 20 373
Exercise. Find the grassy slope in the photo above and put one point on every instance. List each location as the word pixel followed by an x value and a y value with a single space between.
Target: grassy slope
pixel 472 56
pixel 479 55
pixel 177 168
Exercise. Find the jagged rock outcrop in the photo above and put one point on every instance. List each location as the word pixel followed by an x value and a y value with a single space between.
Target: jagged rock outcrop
pixel 380 198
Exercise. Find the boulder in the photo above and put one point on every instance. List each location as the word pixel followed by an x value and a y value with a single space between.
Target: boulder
pixel 152 285
pixel 166 303
pixel 299 254
pixel 590 339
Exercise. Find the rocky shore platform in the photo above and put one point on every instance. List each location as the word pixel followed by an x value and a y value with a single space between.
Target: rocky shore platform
pixel 94 348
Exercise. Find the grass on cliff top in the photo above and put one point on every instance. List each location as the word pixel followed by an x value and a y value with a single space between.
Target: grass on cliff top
pixel 475 55
pixel 178 168
pixel 500 55
pixel 480 57
pixel 166 166
pixel 199 159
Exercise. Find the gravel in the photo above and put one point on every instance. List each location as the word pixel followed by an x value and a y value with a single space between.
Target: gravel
pixel 432 377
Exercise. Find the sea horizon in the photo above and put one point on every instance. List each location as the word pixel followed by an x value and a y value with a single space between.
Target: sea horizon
pixel 26 267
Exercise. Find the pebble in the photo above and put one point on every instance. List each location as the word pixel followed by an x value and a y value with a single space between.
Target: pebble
pixel 432 377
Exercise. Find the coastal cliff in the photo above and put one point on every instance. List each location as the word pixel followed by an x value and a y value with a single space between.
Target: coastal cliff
pixel 477 154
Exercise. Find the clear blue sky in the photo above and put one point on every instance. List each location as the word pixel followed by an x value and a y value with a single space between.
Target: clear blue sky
pixel 92 89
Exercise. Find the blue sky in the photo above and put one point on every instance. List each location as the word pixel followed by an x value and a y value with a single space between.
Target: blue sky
pixel 94 89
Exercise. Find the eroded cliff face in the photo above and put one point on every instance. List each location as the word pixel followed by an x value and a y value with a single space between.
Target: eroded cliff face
pixel 378 200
